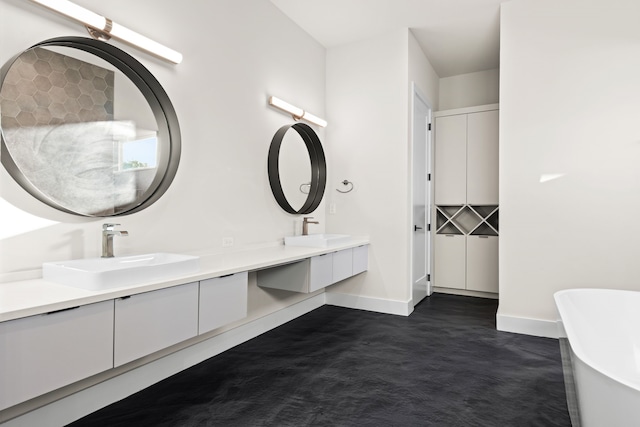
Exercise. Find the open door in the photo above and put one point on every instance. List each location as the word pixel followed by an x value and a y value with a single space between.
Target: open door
pixel 421 198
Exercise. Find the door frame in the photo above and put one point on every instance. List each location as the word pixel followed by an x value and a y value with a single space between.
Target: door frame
pixel 416 93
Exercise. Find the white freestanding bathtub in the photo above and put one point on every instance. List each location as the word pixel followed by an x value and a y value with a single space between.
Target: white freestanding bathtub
pixel 603 331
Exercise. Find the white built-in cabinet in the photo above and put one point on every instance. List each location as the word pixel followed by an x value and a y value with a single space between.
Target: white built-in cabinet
pixel 466 199
pixel 39 354
pixel 315 273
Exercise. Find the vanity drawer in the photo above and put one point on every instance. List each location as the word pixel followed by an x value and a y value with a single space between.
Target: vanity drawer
pixel 222 300
pixel 320 272
pixel 360 259
pixel 342 265
pixel 42 353
pixel 148 322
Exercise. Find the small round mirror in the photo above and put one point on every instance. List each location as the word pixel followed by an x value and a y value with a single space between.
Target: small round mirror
pixel 297 169
pixel 86 128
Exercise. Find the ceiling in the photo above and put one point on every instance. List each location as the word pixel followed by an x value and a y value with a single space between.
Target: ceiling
pixel 458 36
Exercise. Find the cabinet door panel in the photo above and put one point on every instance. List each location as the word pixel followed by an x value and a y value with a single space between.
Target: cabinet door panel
pixel 320 272
pixel 342 265
pixel 39 354
pixel 222 300
pixel 482 158
pixel 451 160
pixel 149 322
pixel 449 261
pixel 482 263
pixel 360 259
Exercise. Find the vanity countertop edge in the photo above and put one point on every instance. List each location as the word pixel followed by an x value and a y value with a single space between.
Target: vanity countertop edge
pixel 32 297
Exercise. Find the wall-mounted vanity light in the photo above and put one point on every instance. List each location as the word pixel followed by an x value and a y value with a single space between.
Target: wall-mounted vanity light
pixel 296 113
pixel 103 28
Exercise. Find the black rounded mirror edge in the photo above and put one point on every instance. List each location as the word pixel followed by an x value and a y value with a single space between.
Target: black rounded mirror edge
pixel 152 90
pixel 318 169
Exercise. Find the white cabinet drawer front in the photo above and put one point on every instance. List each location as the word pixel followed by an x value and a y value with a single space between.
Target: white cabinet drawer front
pixel 342 265
pixel 42 353
pixel 360 259
pixel 149 322
pixel 222 300
pixel 320 272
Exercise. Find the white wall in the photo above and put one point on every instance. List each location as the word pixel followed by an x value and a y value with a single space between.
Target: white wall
pixel 422 73
pixel 368 90
pixel 569 103
pixel 469 90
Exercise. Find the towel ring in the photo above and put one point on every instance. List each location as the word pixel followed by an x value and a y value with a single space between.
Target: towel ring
pixel 308 184
pixel 345 183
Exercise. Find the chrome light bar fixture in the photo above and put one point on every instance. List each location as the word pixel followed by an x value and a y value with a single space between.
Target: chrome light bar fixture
pixel 103 28
pixel 296 113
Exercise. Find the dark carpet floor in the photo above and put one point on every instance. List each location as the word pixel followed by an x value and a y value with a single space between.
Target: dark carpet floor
pixel 445 365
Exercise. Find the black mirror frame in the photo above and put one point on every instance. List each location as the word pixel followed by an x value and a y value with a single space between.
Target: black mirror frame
pixel 318 168
pixel 155 95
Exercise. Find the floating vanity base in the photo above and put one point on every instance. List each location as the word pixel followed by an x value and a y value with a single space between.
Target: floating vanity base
pixel 59 335
pixel 315 273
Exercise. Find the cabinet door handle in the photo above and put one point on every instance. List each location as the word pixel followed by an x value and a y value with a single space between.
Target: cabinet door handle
pixel 61 310
pixel 227 275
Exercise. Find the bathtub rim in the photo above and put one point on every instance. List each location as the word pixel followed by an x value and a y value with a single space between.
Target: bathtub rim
pixel 560 298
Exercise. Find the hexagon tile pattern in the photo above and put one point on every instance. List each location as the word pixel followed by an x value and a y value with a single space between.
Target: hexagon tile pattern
pixel 44 87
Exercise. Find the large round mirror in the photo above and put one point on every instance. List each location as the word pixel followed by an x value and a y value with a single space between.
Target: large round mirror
pixel 297 169
pixel 86 128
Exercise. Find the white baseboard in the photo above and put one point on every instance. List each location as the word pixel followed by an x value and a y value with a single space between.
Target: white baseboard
pixel 465 293
pixel 401 308
pixel 527 326
pixel 78 405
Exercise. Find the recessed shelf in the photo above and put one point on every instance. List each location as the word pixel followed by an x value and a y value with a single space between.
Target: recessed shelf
pixel 445 220
pixel 483 229
pixel 466 219
pixel 449 228
pixel 492 220
pixel 476 220
pixel 484 211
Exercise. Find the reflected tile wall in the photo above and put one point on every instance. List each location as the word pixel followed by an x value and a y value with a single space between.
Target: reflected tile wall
pixel 48 88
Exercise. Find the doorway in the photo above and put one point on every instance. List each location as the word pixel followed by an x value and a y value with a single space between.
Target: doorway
pixel 421 197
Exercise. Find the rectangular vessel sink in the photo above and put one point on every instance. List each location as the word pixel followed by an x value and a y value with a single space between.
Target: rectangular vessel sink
pixel 317 240
pixel 104 273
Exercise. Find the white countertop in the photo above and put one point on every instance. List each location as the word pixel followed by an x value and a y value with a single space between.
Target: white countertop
pixel 31 297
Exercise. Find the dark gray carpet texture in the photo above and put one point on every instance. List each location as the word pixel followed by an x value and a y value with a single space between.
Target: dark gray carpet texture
pixel 444 365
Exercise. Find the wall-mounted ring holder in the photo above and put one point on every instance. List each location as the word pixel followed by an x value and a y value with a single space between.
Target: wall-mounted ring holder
pixel 346 183
pixel 306 185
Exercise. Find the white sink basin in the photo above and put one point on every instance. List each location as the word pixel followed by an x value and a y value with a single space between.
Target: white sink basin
pixel 103 273
pixel 317 240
